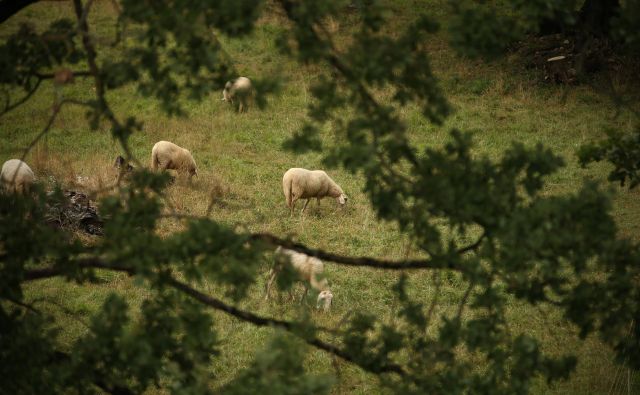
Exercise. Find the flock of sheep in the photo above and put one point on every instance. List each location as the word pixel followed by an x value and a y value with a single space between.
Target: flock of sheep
pixel 297 183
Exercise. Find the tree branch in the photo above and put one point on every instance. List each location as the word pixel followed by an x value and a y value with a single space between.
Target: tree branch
pixel 56 110
pixel 49 76
pixel 10 107
pixel 9 8
pixel 23 304
pixel 96 263
pixel 82 14
pixel 473 246
pixel 289 326
pixel 360 261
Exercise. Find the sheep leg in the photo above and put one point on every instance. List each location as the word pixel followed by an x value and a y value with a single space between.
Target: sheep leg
pixel 304 295
pixel 293 205
pixel 305 206
pixel 272 277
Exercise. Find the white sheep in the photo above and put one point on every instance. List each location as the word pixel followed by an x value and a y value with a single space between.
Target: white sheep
pixel 239 89
pixel 17 176
pixel 300 183
pixel 310 270
pixel 166 155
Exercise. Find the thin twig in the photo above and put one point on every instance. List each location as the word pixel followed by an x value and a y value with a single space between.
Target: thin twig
pixel 47 128
pixel 77 73
pixel 10 107
pixel 23 304
pixel 103 106
pixel 463 302
pixel 434 302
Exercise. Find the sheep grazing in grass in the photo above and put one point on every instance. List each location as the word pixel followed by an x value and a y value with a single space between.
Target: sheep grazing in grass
pixel 307 184
pixel 239 90
pixel 16 176
pixel 166 155
pixel 123 167
pixel 310 270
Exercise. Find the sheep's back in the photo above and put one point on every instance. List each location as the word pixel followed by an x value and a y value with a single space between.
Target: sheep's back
pixel 166 148
pixel 307 183
pixel 304 264
pixel 15 169
pixel 242 86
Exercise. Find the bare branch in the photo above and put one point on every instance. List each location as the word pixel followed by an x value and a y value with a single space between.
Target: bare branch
pixel 50 76
pixel 24 305
pixel 464 300
pixel 434 302
pixel 473 246
pixel 96 263
pixel 103 106
pixel 47 128
pixel 26 97
pixel 433 263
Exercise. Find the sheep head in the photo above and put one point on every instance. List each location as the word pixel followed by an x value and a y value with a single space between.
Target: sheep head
pixel 342 199
pixel 324 300
pixel 226 92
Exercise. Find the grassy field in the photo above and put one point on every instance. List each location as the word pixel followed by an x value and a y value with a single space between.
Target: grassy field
pixel 241 162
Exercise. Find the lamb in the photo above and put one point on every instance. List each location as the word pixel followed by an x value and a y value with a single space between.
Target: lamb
pixel 16 176
pixel 310 270
pixel 166 155
pixel 300 183
pixel 240 89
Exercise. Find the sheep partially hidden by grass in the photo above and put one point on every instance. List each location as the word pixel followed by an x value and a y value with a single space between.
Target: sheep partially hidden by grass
pixel 166 155
pixel 300 183
pixel 16 176
pixel 310 270
pixel 123 167
pixel 239 90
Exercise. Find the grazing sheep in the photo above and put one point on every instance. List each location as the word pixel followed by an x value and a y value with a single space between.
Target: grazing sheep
pixel 239 89
pixel 123 167
pixel 310 270
pixel 166 155
pixel 306 184
pixel 16 176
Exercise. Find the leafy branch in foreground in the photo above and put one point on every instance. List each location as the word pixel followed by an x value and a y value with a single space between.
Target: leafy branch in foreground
pixel 622 151
pixel 485 221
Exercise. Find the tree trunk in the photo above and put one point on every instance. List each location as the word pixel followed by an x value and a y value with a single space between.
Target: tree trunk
pixel 594 18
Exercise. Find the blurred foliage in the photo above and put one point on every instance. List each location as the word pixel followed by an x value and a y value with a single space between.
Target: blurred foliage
pixel 622 151
pixel 561 251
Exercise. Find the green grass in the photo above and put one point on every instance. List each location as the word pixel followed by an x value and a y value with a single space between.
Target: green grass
pixel 242 155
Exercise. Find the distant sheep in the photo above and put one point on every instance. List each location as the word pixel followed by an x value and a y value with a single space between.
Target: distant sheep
pixel 307 184
pixel 310 270
pixel 123 167
pixel 239 90
pixel 166 155
pixel 16 176
pixel 122 164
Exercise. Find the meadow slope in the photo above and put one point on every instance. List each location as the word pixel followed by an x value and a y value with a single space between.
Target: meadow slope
pixel 241 163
